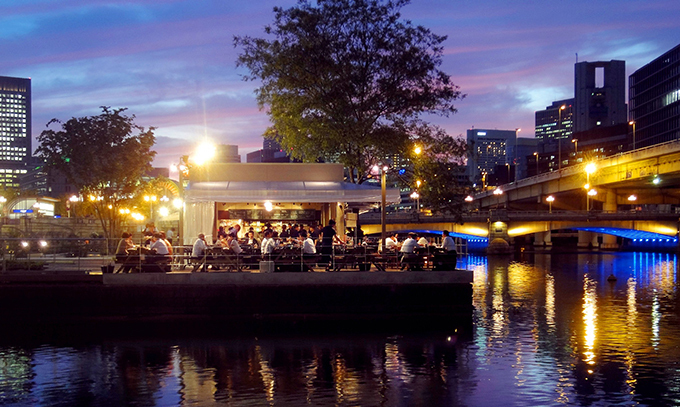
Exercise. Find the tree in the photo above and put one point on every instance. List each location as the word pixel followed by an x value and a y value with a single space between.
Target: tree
pixel 438 166
pixel 104 156
pixel 347 81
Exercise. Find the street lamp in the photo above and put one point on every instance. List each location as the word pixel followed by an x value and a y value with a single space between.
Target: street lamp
pixel 559 137
pixel 151 199
pixel 632 123
pixel 498 192
pixel 416 196
pixel 73 199
pixel 550 200
pixel 536 155
pixel 383 202
pixel 590 168
pixel 575 141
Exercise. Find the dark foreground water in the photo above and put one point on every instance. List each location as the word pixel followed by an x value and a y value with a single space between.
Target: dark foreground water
pixel 546 330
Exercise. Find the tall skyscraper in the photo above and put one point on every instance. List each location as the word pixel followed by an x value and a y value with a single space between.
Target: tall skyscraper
pixel 654 94
pixel 489 148
pixel 599 94
pixel 556 121
pixel 15 129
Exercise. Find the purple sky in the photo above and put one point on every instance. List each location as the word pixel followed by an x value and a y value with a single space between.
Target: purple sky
pixel 172 62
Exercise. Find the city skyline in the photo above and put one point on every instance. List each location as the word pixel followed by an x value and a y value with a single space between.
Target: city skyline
pixel 172 63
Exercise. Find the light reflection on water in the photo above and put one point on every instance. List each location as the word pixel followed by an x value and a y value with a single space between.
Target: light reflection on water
pixel 547 330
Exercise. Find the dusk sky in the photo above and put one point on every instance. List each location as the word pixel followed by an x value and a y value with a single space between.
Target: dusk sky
pixel 172 62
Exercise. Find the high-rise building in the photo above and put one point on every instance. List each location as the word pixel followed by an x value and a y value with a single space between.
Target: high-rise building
pixel 654 94
pixel 599 94
pixel 488 149
pixel 556 121
pixel 15 129
pixel 227 153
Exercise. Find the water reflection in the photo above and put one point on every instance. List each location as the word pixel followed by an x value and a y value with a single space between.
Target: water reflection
pixel 548 330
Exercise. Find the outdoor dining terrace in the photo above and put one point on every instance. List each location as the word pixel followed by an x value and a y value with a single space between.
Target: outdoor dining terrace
pixel 97 255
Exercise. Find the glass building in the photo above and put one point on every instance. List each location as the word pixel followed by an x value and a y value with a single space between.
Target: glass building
pixel 654 100
pixel 15 129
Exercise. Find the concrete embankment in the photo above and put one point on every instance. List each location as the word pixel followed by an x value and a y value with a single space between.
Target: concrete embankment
pixel 345 295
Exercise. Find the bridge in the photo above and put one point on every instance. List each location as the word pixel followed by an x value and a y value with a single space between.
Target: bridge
pixel 629 196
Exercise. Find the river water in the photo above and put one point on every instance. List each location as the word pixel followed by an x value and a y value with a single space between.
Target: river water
pixel 546 330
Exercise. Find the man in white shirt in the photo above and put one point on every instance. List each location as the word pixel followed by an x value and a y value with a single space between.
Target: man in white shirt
pixel 422 242
pixel 268 243
pixel 448 245
pixel 409 245
pixel 408 252
pixel 160 253
pixel 391 243
pixel 200 246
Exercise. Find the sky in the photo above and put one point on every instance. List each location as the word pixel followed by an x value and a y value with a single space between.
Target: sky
pixel 172 63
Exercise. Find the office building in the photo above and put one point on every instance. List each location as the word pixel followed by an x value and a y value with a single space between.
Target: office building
pixel 15 129
pixel 555 122
pixel 599 95
pixel 654 95
pixel 227 153
pixel 488 149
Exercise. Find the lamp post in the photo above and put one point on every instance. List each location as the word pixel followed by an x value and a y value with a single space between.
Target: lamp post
pixel 575 141
pixel 383 199
pixel 632 123
pixel 498 192
pixel 550 200
pixel 590 168
pixel 151 199
pixel 416 197
pixel 73 199
pixel 559 137
pixel 536 155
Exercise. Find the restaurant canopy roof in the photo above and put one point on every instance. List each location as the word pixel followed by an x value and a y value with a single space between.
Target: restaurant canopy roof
pixel 279 182
pixel 301 191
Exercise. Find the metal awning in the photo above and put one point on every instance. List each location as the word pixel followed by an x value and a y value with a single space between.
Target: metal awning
pixel 304 191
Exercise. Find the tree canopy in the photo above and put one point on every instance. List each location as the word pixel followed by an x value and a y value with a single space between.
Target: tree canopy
pixel 104 156
pixel 348 81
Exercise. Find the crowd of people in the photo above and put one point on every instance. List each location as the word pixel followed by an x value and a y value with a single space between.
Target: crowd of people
pixel 310 240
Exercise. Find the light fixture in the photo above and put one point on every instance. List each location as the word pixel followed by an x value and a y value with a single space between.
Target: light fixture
pixel 268 206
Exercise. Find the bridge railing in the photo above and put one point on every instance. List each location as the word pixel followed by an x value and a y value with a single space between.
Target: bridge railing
pixel 503 214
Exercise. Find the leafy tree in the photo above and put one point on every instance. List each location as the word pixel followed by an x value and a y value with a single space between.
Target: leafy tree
pixel 347 80
pixel 438 166
pixel 104 156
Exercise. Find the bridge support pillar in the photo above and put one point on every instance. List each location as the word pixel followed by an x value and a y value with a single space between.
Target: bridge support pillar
pixel 587 240
pixel 609 204
pixel 542 239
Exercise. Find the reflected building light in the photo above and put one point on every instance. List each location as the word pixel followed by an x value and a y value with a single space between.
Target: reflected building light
pixel 311 372
pixel 589 318
pixel 394 365
pixel 631 300
pixel 497 303
pixel 656 319
pixel 347 384
pixel 550 301
pixel 267 375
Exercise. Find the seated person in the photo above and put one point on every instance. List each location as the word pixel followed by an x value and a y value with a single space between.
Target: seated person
pixel 123 252
pixel 408 248
pixel 422 242
pixel 160 254
pixel 200 250
pixel 232 242
pixel 391 243
pixel 167 242
pixel 448 245
pixel 252 241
